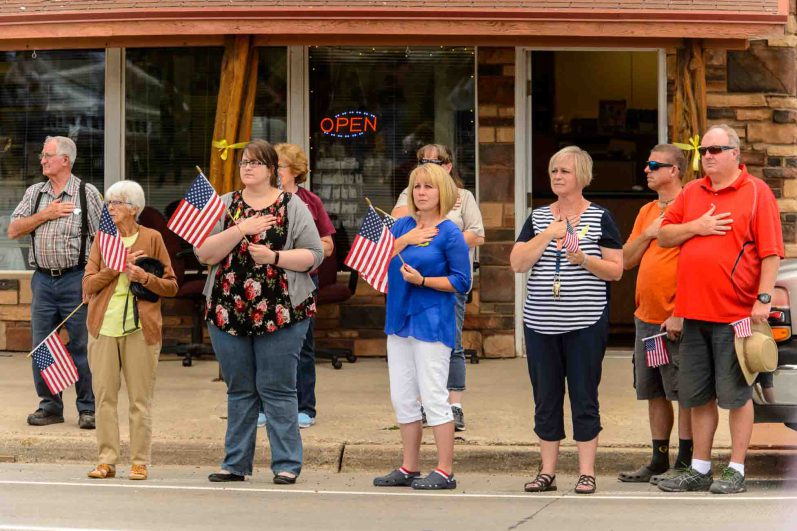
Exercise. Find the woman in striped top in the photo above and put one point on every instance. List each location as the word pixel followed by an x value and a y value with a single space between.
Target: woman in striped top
pixel 566 312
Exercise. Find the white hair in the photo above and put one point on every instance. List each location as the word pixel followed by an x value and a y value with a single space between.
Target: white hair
pixel 129 191
pixel 733 137
pixel 64 146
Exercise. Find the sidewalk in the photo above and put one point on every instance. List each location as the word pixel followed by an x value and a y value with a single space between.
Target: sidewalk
pixel 356 428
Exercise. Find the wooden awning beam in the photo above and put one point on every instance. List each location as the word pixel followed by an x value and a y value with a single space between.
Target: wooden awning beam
pixel 385 26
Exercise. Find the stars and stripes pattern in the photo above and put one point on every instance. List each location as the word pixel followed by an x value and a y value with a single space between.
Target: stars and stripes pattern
pixel 197 212
pixel 112 248
pixel 742 328
pixel 370 252
pixel 656 353
pixel 55 363
pixel 571 239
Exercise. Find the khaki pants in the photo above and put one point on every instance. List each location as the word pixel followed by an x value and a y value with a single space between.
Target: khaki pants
pixel 130 355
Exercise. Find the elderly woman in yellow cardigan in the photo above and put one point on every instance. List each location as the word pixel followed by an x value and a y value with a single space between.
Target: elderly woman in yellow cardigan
pixel 125 332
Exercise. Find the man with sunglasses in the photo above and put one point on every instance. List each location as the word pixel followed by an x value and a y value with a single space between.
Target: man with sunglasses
pixel 61 215
pixel 728 227
pixel 655 303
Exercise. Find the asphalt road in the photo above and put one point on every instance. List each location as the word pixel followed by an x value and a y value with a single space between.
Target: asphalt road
pixel 60 497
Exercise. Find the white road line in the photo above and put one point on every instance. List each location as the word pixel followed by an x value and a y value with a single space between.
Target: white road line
pixel 40 528
pixel 572 496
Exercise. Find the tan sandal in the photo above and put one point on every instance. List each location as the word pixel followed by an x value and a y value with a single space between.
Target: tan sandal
pixel 103 472
pixel 138 473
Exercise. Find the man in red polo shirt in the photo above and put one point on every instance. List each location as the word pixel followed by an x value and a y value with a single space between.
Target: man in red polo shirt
pixel 728 227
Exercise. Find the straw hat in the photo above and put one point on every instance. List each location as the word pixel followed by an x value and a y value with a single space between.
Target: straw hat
pixel 757 353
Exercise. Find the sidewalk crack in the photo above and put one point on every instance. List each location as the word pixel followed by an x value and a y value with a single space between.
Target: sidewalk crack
pixel 532 515
pixel 340 457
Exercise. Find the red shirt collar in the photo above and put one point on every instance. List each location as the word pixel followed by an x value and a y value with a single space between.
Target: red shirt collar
pixel 735 185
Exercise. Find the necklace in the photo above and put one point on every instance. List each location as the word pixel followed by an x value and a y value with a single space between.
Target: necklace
pixel 663 204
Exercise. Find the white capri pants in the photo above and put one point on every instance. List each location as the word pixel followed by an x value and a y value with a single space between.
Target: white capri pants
pixel 419 368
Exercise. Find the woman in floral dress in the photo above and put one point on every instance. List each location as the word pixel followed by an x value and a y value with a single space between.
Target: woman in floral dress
pixel 259 301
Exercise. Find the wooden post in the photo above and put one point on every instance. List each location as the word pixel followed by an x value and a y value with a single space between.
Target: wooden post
pixel 689 115
pixel 248 108
pixel 228 109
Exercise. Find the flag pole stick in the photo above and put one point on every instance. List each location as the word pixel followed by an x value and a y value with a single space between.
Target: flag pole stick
pixel 386 214
pixel 226 208
pixel 56 328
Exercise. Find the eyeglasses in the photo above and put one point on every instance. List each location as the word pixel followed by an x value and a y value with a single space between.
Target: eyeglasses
pixel 714 150
pixel 283 165
pixel 114 203
pixel 48 156
pixel 431 161
pixel 254 163
pixel 653 165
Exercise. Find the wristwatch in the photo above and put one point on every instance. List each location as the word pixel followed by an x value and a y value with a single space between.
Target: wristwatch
pixel 764 298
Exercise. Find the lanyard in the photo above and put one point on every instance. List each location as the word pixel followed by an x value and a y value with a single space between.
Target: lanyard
pixel 557 284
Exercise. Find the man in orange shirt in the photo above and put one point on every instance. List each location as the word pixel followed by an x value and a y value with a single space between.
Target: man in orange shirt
pixel 728 227
pixel 655 302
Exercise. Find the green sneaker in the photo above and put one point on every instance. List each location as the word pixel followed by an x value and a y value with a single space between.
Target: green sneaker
pixel 689 480
pixel 731 482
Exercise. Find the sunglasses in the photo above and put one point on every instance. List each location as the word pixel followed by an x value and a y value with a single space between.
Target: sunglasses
pixel 714 150
pixel 653 165
pixel 431 161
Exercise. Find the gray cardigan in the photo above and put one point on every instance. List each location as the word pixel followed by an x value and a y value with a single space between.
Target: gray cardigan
pixel 302 234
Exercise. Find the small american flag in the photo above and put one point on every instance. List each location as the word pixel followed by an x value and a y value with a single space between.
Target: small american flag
pixel 370 252
pixel 112 248
pixel 55 363
pixel 742 327
pixel 656 350
pixel 571 239
pixel 197 213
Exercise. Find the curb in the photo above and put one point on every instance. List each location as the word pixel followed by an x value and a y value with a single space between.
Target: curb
pixel 350 457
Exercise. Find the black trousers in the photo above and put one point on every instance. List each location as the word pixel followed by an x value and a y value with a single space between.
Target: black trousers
pixel 577 357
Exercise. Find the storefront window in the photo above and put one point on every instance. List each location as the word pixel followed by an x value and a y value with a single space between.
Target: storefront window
pixel 170 107
pixel 46 93
pixel 371 109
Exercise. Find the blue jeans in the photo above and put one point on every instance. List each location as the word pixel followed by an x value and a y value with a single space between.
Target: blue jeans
pixel 305 376
pixel 261 369
pixel 53 298
pixel 456 368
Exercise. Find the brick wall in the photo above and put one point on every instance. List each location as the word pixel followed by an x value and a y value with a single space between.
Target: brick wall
pixel 755 92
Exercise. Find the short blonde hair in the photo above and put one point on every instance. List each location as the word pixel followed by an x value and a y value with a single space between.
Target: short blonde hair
pixel 581 161
pixel 296 160
pixel 440 179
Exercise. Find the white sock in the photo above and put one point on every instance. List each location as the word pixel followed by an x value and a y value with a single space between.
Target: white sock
pixel 736 466
pixel 457 405
pixel 704 467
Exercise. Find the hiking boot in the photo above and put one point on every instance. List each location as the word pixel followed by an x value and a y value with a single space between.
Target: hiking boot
pixel 41 417
pixel 730 482
pixel 86 420
pixel 689 480
pixel 397 478
pixel 459 418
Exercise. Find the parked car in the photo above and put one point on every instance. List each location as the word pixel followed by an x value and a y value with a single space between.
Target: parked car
pixel 775 394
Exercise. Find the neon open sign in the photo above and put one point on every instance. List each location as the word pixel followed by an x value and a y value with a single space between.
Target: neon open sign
pixel 349 124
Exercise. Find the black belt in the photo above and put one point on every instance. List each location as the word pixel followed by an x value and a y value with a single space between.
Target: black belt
pixel 59 272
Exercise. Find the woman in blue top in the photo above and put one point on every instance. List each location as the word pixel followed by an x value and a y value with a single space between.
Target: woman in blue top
pixel 429 265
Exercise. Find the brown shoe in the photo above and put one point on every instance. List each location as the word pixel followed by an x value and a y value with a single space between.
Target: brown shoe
pixel 103 472
pixel 138 472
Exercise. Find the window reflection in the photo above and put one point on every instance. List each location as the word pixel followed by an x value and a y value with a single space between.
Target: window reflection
pixel 54 93
pixel 371 109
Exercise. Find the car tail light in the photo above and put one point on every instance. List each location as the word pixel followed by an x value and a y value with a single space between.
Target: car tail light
pixel 781 333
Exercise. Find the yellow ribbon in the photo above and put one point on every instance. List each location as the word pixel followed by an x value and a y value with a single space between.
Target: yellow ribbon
pixel 693 144
pixel 223 147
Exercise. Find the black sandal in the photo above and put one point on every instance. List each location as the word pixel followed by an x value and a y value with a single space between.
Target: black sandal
pixel 542 483
pixel 586 481
pixel 283 478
